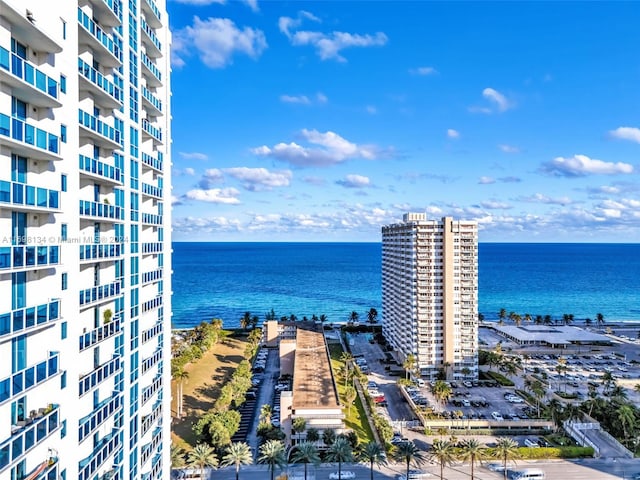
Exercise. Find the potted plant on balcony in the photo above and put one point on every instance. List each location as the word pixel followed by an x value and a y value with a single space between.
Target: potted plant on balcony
pixel 106 315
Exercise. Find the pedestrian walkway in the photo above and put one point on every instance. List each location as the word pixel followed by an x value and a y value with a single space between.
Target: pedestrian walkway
pixel 591 434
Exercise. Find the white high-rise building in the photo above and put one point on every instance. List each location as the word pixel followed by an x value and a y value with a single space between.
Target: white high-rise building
pixel 430 294
pixel 84 240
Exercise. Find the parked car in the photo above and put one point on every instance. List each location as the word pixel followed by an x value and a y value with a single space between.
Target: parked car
pixel 344 475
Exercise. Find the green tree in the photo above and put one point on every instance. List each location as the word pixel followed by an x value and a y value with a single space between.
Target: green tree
pixel 299 424
pixel 329 436
pixel 245 320
pixel 442 452
pixel 373 453
pixel 201 457
pixel 600 319
pixel 537 389
pixel 501 316
pixel 408 453
pixel 306 452
pixel 350 395
pixel 409 364
pixel 472 451
pixel 323 318
pixel 340 451
pixel 177 457
pixel 506 449
pixel 272 454
pixel 442 391
pixel 627 418
pixel 372 317
pixel 180 376
pixel 312 435
pixel 238 453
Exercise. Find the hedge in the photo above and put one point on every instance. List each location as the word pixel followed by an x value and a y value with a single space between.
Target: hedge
pixel 501 379
pixel 529 453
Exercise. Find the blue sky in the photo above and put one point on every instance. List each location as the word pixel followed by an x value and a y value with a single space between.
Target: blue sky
pixel 322 121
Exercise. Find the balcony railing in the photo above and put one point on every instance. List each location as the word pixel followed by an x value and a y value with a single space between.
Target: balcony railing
pixel 147 450
pixel 151 361
pixel 152 162
pixel 25 437
pixel 151 190
pixel 96 167
pixel 156 19
pixel 147 62
pixel 95 377
pixel 29 256
pixel 102 451
pixel 152 332
pixel 151 219
pixel 99 80
pixel 101 292
pixel 151 304
pixel 149 391
pixel 152 276
pixel 152 131
pixel 99 334
pixel 29 377
pixel 99 415
pixel 100 35
pixel 114 10
pixel 98 126
pixel 152 247
pixel 28 73
pixel 152 36
pixel 152 99
pixel 101 251
pixel 101 210
pixel 24 319
pixel 149 420
pixel 28 195
pixel 21 131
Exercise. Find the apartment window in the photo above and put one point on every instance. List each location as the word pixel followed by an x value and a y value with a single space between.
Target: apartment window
pixel 63 183
pixel 63 328
pixel 19 49
pixel 96 192
pixel 63 84
pixel 96 233
pixel 64 29
pixel 18 109
pixel 18 284
pixel 18 353
pixel 63 380
pixel 63 433
pixel 63 232
pixel 18 169
pixel 64 281
pixel 96 152
pixel 63 133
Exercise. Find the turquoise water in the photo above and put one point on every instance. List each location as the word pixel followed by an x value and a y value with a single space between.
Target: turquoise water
pixel 223 280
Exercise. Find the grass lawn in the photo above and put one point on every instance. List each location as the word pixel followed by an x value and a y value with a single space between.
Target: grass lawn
pixel 201 389
pixel 356 418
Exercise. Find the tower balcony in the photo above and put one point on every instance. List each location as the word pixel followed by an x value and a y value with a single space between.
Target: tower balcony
pixel 151 191
pixel 100 252
pixel 99 294
pixel 107 12
pixel 154 47
pixel 98 131
pixel 25 320
pixel 104 91
pixel 152 247
pixel 97 335
pixel 149 420
pixel 22 257
pixel 95 377
pixel 29 141
pixel 24 197
pixel 151 219
pixel 154 77
pixel 152 276
pixel 152 162
pixel 100 414
pixel 102 46
pixel 151 131
pixel 153 103
pixel 99 170
pixel 101 211
pixel 150 448
pixel 88 466
pixel 29 377
pixel 27 82
pixel 154 17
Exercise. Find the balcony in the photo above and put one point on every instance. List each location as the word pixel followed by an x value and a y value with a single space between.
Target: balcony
pixel 104 91
pixel 21 257
pixel 95 377
pixel 147 450
pixel 100 454
pixel 151 219
pixel 149 420
pixel 152 276
pixel 25 320
pixel 26 140
pixel 27 82
pixel 96 252
pixel 152 332
pixel 154 47
pixel 153 103
pixel 150 362
pixel 25 31
pixel 99 415
pixel 101 210
pixel 154 163
pixel 97 335
pixel 99 294
pixel 151 131
pixel 151 390
pixel 151 191
pixel 29 377
pixel 107 12
pixel 27 197
pixel 154 79
pixel 154 17
pixel 28 434
pixel 152 304
pixel 100 170
pixel 152 247
pixel 98 131
pixel 102 46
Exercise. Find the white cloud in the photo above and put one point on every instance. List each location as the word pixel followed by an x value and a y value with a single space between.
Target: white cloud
pixel 499 101
pixel 327 45
pixel 327 148
pixel 177 172
pixel 486 180
pixel 540 198
pixel 189 171
pixel 314 180
pixel 252 4
pixel 299 99
pixel 256 179
pixel 495 205
pixel 226 196
pixel 424 71
pixel 626 133
pixel 216 40
pixel 354 181
pixel 193 155
pixel 508 148
pixel 321 97
pixel 451 133
pixel 371 110
pixel 210 177
pixel 581 165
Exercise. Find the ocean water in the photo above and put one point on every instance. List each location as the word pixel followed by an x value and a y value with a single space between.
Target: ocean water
pixel 224 280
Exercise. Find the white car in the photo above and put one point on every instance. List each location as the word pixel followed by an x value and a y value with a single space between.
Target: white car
pixel 495 467
pixel 344 475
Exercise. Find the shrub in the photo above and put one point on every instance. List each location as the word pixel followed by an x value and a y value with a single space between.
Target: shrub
pixel 501 379
pixel 528 453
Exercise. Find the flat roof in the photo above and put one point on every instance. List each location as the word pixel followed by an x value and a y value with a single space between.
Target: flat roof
pixel 313 385
pixel 551 334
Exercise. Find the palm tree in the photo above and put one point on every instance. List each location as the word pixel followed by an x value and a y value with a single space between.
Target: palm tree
pixel 600 319
pixel 306 452
pixel 527 317
pixel 177 457
pixel 607 381
pixel 626 417
pixel 298 425
pixel 245 320
pixel 272 454
pixel 312 435
pixel 340 451
pixel 473 451
pixel 407 452
pixel 353 317
pixel 350 395
pixel 201 457
pixel 372 317
pixel 329 437
pixel 502 315
pixel 238 453
pixel 374 454
pixel 444 453
pixel 409 364
pixel 537 389
pixel 180 376
pixel 506 449
pixel 323 318
pixel 442 391
pixel 265 413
